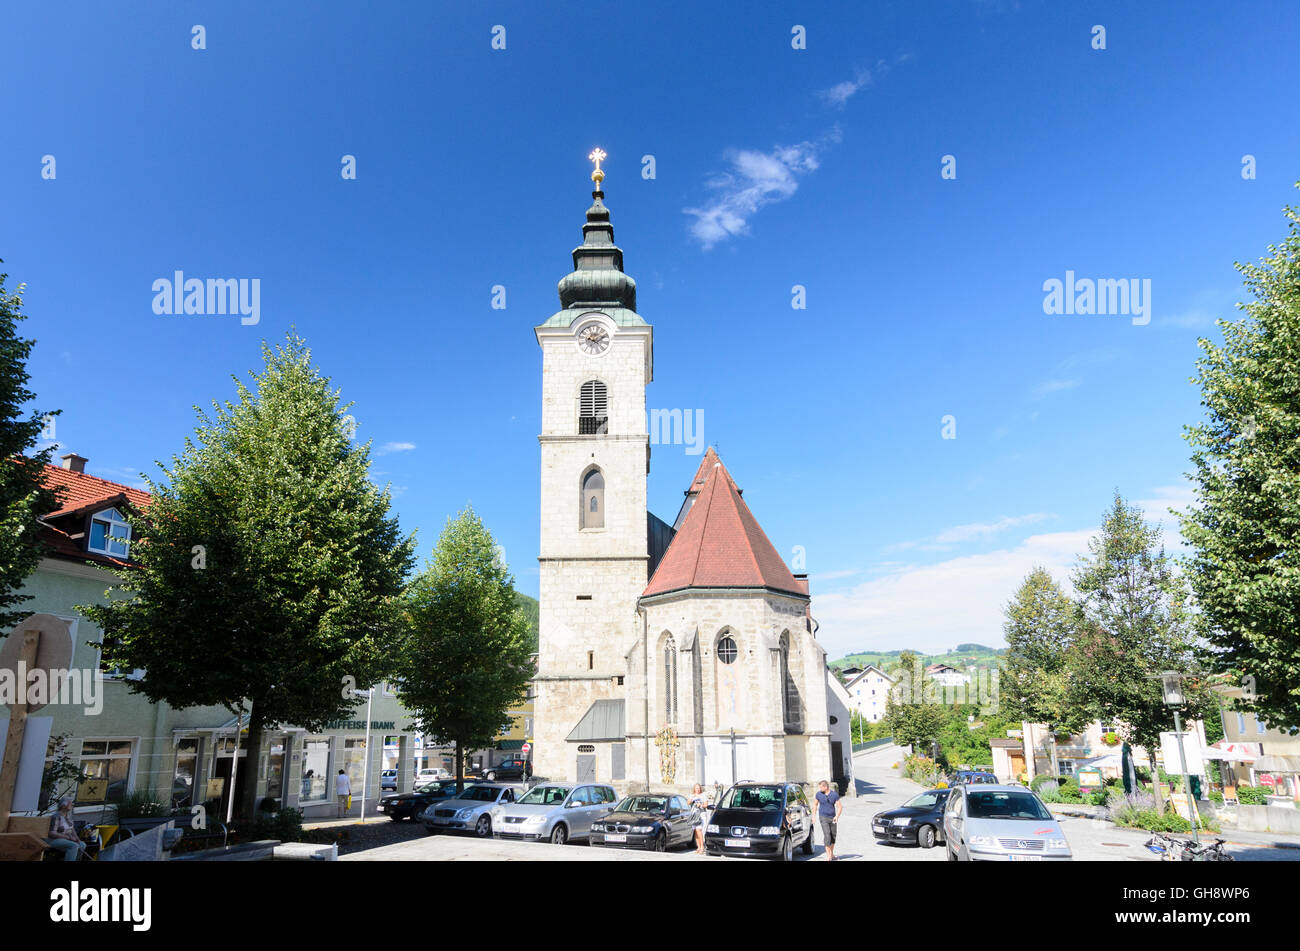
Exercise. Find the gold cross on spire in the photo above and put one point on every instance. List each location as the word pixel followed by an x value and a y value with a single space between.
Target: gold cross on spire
pixel 597 155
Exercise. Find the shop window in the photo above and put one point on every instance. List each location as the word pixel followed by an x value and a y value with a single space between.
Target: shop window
pixel 315 771
pixel 110 762
pixel 186 772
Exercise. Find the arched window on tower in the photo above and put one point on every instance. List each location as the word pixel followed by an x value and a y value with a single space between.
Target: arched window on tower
pixel 670 679
pixel 593 500
pixel 593 409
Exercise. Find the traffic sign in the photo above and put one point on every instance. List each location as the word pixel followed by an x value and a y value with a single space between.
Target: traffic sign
pixel 527 748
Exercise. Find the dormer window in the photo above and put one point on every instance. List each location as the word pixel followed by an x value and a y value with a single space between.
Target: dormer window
pixel 109 534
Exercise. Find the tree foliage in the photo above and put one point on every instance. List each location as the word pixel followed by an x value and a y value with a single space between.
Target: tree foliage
pixel 1134 626
pixel 268 567
pixel 23 496
pixel 1244 529
pixel 1040 629
pixel 466 657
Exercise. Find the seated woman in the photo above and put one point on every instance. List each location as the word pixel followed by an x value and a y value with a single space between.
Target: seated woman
pixel 63 835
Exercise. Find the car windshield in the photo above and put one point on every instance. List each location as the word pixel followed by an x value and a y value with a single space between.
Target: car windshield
pixel 642 804
pixel 925 800
pixel 995 804
pixel 435 786
pixel 752 797
pixel 544 796
pixel 480 794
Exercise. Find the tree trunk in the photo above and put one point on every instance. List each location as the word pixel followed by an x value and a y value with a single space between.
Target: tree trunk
pixel 246 807
pixel 460 769
pixel 1155 784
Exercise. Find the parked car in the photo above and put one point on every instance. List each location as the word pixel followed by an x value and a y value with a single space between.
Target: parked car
pixel 559 812
pixel 387 779
pixel 430 774
pixel 646 822
pixel 1001 823
pixel 919 821
pixel 765 820
pixel 506 769
pixel 972 777
pixel 478 809
pixel 407 805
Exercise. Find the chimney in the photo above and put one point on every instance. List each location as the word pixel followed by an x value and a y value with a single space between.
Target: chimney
pixel 74 462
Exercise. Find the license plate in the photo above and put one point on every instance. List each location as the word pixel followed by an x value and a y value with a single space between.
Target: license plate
pixel 615 837
pixel 879 828
pixel 1026 858
pixel 736 843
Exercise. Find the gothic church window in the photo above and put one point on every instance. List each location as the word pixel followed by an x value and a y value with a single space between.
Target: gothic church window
pixel 789 689
pixel 593 409
pixel 670 680
pixel 593 500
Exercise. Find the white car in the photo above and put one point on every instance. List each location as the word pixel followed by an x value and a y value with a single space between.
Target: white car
pixel 430 774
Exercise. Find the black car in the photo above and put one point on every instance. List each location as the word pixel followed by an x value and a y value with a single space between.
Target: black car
pixel 646 822
pixel 506 769
pixel 919 821
pixel 409 805
pixel 761 820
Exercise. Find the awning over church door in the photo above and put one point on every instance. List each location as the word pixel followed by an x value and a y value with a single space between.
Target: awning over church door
pixel 602 722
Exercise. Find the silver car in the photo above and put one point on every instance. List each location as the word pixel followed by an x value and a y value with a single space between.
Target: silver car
pixel 1001 824
pixel 557 812
pixel 477 808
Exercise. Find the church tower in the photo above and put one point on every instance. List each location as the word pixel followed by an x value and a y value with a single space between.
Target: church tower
pixel 597 358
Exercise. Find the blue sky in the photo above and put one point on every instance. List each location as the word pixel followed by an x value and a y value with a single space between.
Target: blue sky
pixel 774 167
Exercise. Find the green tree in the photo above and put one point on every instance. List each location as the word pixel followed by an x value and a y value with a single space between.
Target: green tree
pixel 914 722
pixel 1244 530
pixel 466 657
pixel 269 570
pixel 1135 625
pixel 23 496
pixel 1034 684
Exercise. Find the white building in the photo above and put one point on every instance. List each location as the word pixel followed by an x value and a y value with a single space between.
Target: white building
pixel 868 692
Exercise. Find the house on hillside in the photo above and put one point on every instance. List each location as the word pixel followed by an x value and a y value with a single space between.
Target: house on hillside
pixel 868 692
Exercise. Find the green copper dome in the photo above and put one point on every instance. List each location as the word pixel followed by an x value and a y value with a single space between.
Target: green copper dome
pixel 597 280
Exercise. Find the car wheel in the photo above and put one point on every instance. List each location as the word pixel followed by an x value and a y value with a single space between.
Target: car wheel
pixel 952 856
pixel 925 837
pixel 559 835
pixel 660 842
pixel 787 849
pixel 808 843
pixel 483 828
pixel 491 777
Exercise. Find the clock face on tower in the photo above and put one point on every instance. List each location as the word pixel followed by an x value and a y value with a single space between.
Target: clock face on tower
pixel 593 339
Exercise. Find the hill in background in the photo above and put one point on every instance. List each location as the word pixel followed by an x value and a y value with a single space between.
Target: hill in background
pixel 961 657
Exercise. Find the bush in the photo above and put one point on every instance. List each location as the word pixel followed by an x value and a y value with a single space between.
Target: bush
pixel 1097 798
pixel 142 805
pixel 1216 796
pixel 1252 795
pixel 1036 784
pixel 921 769
pixel 285 825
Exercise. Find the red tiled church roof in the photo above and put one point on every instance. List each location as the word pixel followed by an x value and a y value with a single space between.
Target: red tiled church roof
pixel 719 543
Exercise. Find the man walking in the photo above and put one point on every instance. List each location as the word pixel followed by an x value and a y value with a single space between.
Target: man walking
pixel 343 789
pixel 829 808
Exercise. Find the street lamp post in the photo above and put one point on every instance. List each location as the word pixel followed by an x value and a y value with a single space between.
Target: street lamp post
pixel 1171 683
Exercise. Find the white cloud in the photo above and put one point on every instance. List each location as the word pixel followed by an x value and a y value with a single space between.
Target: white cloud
pixel 932 608
pixel 1054 386
pixel 963 533
pixel 841 93
pixel 395 447
pixel 756 179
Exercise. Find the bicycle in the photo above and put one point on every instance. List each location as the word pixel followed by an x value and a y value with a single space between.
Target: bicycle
pixel 1180 850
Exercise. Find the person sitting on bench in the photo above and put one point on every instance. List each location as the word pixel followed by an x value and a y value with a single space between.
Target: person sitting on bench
pixel 63 835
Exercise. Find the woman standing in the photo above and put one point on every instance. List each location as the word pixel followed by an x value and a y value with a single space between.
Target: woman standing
pixel 701 805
